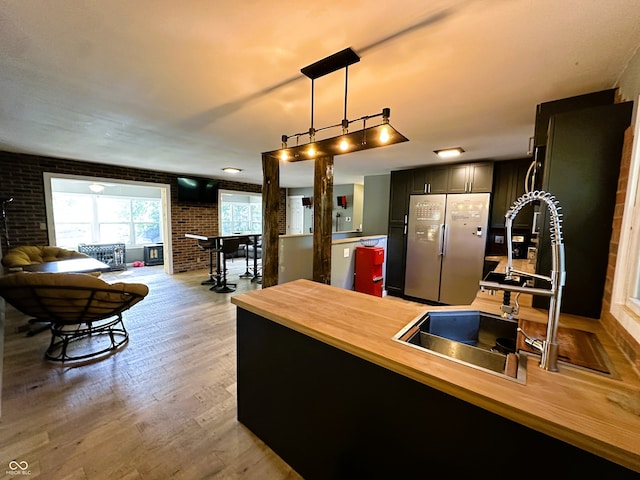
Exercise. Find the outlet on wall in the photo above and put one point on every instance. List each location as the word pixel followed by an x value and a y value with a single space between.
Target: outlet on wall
pixel 346 252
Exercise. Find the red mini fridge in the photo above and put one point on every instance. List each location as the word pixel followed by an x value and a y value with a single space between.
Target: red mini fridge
pixel 369 270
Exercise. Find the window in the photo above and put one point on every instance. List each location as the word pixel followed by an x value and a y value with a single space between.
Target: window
pixel 625 305
pixel 91 218
pixel 240 213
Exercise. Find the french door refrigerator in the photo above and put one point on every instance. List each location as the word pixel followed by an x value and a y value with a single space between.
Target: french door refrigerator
pixel 446 239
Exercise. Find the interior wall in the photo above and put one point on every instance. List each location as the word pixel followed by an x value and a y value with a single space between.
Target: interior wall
pixel 21 177
pixel 343 219
pixel 375 204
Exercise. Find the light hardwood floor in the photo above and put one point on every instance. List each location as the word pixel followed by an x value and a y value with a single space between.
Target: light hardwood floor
pixel 163 407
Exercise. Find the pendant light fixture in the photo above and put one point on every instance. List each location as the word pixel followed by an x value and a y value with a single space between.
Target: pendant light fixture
pixel 380 134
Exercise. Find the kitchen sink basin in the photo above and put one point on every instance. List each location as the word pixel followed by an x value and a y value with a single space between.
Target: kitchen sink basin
pixel 477 339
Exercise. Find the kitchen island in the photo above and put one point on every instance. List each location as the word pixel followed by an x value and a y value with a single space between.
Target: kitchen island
pixel 323 383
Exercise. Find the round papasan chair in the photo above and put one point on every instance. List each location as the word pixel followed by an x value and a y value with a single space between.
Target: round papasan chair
pixel 33 254
pixel 84 312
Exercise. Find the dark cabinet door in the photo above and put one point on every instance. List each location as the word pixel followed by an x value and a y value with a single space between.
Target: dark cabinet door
pixel 581 170
pixel 419 180
pixel 509 184
pixel 401 181
pixel 437 179
pixel 471 178
pixel 544 111
pixel 524 219
pixel 502 192
pixel 430 180
pixel 458 178
pixel 396 254
pixel 480 177
pixel 401 187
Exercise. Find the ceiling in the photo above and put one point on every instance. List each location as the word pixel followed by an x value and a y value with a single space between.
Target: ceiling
pixel 193 86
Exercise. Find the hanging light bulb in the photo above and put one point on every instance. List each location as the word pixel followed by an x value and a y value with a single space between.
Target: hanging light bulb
pixel 312 138
pixel 283 154
pixel 384 135
pixel 344 143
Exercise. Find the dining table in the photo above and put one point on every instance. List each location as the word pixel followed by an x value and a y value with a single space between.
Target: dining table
pixel 72 265
pixel 246 238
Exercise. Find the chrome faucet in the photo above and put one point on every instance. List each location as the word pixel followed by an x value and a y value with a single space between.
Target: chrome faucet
pixel 549 346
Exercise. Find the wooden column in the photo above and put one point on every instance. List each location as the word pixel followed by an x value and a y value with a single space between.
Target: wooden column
pixel 270 209
pixel 322 218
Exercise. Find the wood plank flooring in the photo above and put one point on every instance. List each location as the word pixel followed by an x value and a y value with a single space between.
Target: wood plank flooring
pixel 164 407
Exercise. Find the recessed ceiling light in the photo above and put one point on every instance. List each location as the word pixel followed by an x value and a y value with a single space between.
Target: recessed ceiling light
pixel 449 152
pixel 231 170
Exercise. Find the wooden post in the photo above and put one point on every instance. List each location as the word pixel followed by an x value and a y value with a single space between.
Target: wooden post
pixel 270 209
pixel 322 218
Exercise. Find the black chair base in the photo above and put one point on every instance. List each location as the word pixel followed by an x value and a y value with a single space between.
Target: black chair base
pixel 226 288
pixel 99 338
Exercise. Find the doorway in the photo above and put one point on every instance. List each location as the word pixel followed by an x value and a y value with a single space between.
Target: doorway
pixel 83 209
pixel 295 215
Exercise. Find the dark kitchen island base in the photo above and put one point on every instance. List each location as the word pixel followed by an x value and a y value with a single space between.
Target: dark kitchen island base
pixel 330 414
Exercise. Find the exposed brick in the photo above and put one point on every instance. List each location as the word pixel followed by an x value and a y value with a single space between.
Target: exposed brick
pixel 628 344
pixel 21 177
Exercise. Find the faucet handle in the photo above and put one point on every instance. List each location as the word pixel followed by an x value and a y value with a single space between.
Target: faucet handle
pixel 535 343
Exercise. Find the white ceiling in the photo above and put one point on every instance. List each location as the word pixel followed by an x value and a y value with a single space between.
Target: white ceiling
pixel 192 86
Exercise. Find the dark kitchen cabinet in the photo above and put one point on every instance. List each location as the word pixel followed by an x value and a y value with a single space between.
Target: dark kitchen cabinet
pixel 544 111
pixel 509 184
pixel 478 177
pixel 401 186
pixel 430 180
pixel 399 196
pixel 581 169
pixel 396 255
pixel 471 178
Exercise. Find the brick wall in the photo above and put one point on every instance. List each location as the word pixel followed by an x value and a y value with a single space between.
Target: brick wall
pixel 21 177
pixel 628 344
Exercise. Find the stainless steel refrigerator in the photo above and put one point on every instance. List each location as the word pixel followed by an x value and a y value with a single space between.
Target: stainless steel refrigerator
pixel 446 241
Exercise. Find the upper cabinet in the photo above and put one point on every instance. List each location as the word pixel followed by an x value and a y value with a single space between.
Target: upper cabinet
pixel 544 111
pixel 399 196
pixel 430 180
pixel 509 184
pixel 471 178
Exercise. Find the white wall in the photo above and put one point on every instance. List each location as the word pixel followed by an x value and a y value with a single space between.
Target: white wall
pixel 350 218
pixel 375 204
pixel 295 257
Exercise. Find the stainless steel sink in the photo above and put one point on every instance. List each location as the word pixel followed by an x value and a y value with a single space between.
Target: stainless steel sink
pixel 477 339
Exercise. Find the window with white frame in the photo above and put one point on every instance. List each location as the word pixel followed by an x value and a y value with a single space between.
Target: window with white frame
pixel 90 218
pixel 240 212
pixel 625 305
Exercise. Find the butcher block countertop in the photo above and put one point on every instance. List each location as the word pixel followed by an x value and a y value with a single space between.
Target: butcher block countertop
pixel 598 413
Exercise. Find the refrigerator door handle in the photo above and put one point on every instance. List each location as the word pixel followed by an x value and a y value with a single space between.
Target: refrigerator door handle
pixel 441 240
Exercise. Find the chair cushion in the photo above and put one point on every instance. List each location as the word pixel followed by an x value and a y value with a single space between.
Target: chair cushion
pixel 69 297
pixel 33 254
